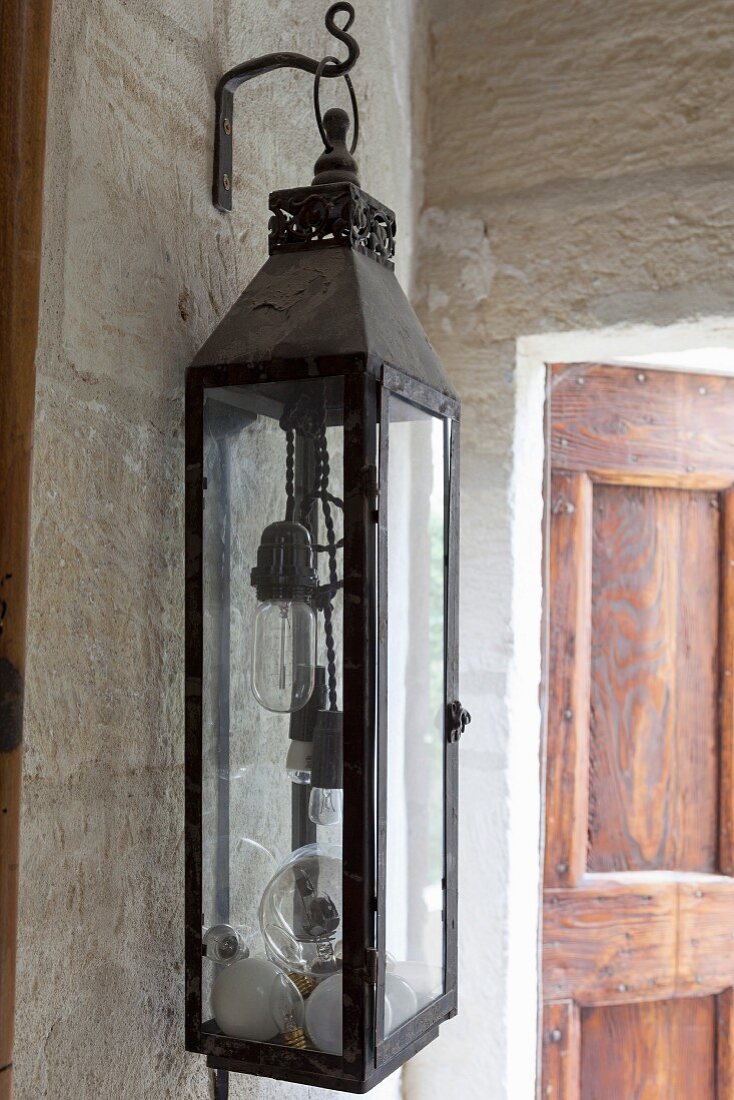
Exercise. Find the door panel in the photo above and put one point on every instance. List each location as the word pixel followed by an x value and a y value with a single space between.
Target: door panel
pixel 638 922
pixel 654 673
pixel 650 1050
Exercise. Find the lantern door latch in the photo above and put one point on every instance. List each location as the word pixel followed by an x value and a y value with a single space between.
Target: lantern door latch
pixel 459 719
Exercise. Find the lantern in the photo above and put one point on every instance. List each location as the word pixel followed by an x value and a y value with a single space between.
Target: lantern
pixel 321 646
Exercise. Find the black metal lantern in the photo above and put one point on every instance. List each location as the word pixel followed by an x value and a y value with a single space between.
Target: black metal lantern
pixel 321 646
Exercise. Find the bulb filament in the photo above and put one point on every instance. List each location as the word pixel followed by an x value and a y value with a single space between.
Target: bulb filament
pixel 283 625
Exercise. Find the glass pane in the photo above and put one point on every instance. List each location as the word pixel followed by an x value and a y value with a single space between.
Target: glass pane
pixel 272 749
pixel 416 706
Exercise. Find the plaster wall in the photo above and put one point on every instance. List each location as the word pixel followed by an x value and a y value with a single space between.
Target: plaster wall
pixel 138 268
pixel 578 166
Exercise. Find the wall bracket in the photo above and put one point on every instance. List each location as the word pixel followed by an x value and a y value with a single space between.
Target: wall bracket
pixel 258 66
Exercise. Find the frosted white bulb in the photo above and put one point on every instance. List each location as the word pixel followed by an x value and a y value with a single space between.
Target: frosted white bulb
pixel 324 1015
pixel 325 806
pixel 284 655
pixel 401 1003
pixel 253 999
pixel 424 979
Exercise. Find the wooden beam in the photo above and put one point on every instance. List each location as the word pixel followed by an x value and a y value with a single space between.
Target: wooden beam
pixel 725 1046
pixel 567 768
pixel 609 942
pixel 631 937
pixel 561 1052
pixel 24 59
pixel 726 688
pixel 604 425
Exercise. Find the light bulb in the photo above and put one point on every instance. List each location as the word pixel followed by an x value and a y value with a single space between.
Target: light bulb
pixel 401 1003
pixel 283 654
pixel 426 980
pixel 253 999
pixel 300 911
pixel 324 1015
pixel 326 801
pixel 284 638
pixel 325 805
pixel 325 1006
pixel 225 944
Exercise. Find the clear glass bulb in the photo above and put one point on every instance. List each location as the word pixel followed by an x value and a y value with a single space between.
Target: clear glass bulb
pixel 300 911
pixel 284 655
pixel 224 944
pixel 325 806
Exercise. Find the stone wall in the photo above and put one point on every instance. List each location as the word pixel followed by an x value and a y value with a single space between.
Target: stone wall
pixel 578 174
pixel 138 268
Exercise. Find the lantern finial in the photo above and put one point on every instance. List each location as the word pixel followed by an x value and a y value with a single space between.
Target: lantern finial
pixel 336 164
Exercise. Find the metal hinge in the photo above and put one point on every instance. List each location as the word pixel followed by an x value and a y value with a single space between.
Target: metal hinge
pixel 458 719
pixel 371 488
pixel 371 958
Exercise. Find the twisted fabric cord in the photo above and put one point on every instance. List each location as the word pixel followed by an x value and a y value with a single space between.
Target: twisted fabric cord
pixel 290 458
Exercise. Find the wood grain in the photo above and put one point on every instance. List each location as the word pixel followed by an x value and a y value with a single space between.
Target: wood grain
pixel 705 949
pixel 725 1046
pixel 567 782
pixel 613 939
pixel 24 53
pixel 561 1053
pixel 726 688
pixel 609 943
pixel 638 936
pixel 663 1050
pixel 670 427
pixel 654 680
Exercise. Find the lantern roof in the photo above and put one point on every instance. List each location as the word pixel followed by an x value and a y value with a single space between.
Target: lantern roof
pixel 328 289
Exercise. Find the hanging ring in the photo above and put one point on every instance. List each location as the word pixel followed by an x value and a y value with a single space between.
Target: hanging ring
pixel 317 104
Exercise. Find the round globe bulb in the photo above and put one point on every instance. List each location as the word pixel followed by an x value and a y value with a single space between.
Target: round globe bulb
pixel 324 1015
pixel 300 911
pixel 252 999
pixel 401 1003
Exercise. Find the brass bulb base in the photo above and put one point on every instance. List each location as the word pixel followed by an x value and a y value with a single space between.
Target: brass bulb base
pixel 295 1038
pixel 304 983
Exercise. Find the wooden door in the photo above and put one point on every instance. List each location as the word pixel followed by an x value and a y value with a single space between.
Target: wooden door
pixel 638 907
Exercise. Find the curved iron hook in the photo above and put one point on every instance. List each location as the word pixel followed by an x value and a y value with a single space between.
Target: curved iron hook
pixel 258 66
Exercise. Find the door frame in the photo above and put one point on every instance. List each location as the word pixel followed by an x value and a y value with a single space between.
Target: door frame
pixel 526 687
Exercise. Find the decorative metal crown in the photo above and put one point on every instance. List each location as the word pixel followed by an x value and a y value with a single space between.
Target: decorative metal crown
pixel 340 215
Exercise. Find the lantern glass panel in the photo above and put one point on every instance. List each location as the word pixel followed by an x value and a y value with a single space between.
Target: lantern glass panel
pixel 271 876
pixel 416 586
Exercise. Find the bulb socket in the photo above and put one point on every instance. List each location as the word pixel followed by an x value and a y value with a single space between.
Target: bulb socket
pixel 285 567
pixel 299 759
pixel 327 766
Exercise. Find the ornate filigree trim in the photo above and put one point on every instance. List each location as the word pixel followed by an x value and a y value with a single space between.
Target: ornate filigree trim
pixel 331 214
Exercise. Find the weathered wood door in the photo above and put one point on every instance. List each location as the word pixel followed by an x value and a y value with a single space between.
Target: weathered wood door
pixel 638 910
